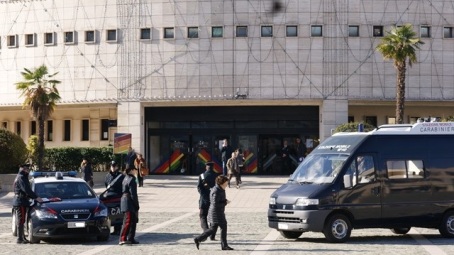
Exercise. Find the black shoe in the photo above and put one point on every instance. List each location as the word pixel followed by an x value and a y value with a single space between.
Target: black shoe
pixel 115 233
pixel 212 238
pixel 227 248
pixel 197 243
pixel 124 242
pixel 134 242
pixel 22 241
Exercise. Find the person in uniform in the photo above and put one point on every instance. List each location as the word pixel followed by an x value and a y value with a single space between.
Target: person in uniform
pixel 129 207
pixel 207 180
pixel 21 204
pixel 113 182
pixel 216 213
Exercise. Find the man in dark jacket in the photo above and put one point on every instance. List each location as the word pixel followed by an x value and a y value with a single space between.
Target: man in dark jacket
pixel 21 204
pixel 114 182
pixel 226 152
pixel 130 207
pixel 207 180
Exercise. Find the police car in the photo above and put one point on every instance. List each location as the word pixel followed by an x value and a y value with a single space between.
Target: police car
pixel 70 209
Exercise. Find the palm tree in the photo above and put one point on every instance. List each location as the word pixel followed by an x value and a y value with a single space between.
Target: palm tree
pixel 41 95
pixel 400 45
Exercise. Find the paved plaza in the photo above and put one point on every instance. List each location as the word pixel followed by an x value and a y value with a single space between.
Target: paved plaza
pixel 169 222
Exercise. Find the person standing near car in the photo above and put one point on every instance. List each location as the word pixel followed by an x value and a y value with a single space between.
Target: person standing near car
pixel 207 180
pixel 21 204
pixel 113 182
pixel 85 168
pixel 129 207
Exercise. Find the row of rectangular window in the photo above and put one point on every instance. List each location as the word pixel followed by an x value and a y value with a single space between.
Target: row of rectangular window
pixel 66 136
pixel 193 32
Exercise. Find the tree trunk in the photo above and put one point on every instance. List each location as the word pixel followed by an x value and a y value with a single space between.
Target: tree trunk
pixel 400 92
pixel 40 142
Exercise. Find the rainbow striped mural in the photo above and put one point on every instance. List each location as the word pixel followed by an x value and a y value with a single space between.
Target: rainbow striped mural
pixel 171 164
pixel 204 157
pixel 250 163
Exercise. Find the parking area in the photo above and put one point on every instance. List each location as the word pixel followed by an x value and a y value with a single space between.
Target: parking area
pixel 169 222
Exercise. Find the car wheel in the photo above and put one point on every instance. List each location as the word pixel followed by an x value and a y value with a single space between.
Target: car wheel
pixel 14 224
pixel 291 234
pixel 400 231
pixel 447 225
pixel 337 229
pixel 31 237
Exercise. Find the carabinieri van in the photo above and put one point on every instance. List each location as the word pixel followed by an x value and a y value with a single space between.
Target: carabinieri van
pixel 396 177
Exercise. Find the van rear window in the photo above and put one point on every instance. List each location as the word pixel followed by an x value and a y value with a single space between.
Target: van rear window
pixel 403 169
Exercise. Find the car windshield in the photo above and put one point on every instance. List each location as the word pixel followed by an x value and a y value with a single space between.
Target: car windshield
pixel 64 190
pixel 319 168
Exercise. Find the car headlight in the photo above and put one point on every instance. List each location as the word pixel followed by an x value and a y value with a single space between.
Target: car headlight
pixel 272 200
pixel 304 201
pixel 46 214
pixel 101 212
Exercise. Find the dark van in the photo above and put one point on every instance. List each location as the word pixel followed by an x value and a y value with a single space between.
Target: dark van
pixel 396 177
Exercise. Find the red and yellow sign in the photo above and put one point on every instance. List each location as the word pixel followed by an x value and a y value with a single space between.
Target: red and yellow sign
pixel 122 142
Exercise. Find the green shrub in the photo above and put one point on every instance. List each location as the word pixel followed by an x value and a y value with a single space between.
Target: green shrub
pixel 13 152
pixel 353 127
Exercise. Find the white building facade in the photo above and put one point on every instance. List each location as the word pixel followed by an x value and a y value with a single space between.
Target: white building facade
pixel 180 76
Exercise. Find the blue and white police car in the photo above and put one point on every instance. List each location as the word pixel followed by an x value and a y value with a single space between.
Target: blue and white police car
pixel 71 209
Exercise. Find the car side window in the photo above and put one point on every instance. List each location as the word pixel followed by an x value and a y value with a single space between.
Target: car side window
pixel 363 169
pixel 403 169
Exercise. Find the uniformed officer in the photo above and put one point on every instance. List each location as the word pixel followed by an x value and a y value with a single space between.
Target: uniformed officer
pixel 207 180
pixel 21 203
pixel 129 207
pixel 113 182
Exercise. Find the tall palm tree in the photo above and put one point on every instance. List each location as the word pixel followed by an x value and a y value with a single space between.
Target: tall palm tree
pixel 41 95
pixel 400 45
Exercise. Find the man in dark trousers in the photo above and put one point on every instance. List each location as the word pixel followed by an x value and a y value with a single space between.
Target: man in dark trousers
pixel 114 182
pixel 300 150
pixel 21 204
pixel 226 153
pixel 207 180
pixel 129 207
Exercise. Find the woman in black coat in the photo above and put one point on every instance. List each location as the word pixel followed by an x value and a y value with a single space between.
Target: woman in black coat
pixel 216 213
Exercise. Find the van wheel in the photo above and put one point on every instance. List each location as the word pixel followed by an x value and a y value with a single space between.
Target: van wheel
pixel 447 225
pixel 291 234
pixel 337 229
pixel 400 231
pixel 13 224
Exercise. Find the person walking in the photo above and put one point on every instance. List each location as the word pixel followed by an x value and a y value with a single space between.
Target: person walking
pixel 226 151
pixel 216 213
pixel 113 183
pixel 21 203
pixel 241 160
pixel 129 158
pixel 85 168
pixel 233 169
pixel 207 180
pixel 129 207
pixel 139 164
pixel 300 150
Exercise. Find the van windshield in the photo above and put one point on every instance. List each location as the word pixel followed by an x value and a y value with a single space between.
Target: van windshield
pixel 319 168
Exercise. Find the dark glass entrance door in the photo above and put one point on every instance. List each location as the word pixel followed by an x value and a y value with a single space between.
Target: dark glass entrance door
pixel 271 158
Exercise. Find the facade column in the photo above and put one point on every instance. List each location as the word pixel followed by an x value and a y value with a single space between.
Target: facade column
pixel 130 120
pixel 333 113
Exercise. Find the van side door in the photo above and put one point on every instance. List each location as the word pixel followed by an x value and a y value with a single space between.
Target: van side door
pixel 363 198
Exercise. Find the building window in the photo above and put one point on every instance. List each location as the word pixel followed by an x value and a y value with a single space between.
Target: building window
pixel 12 41
pixel 169 32
pixel 378 31
pixel 372 120
pixel 353 31
pixel 104 129
pixel 50 130
pixel 85 130
pixel 267 31
pixel 30 40
pixel 5 125
pixel 145 34
pixel 90 36
pixel 425 32
pixel 111 35
pixel 67 130
pixel 193 32
pixel 33 127
pixel 391 120
pixel 292 31
pixel 241 31
pixel 69 37
pixel 217 32
pixel 316 31
pixel 447 32
pixel 48 38
pixel 18 127
pixel 351 119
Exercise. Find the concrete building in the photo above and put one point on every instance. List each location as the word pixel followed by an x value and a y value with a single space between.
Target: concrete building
pixel 180 76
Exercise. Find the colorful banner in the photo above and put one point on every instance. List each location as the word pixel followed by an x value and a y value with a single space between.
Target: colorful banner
pixel 122 142
pixel 171 164
pixel 204 157
pixel 250 163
